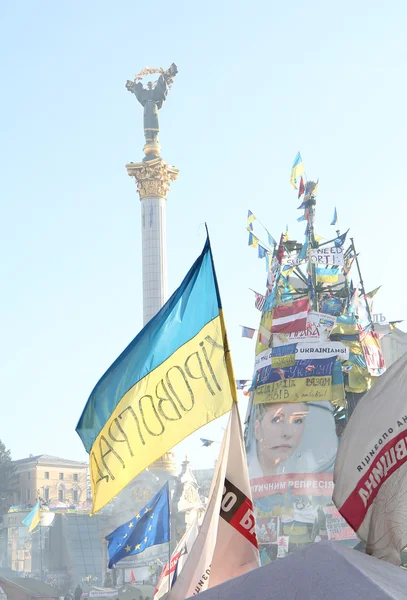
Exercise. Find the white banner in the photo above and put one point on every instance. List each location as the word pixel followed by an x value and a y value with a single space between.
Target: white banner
pixel 263 359
pixel 327 255
pixel 178 558
pixel 371 466
pixel 226 545
pixel 292 260
pixel 308 350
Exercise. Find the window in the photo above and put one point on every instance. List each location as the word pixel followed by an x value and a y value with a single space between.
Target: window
pixel 46 494
pixel 28 475
pixel 46 475
pixel 61 476
pixel 61 495
pixel 28 494
pixel 75 477
pixel 75 496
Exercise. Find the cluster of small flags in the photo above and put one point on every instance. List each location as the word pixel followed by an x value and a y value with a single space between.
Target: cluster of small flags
pixel 244 385
pixel 255 242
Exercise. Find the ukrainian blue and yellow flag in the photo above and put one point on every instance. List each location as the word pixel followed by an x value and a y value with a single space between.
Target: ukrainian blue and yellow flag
pixel 327 275
pixel 33 518
pixel 172 379
pixel 250 218
pixel 297 169
pixel 334 218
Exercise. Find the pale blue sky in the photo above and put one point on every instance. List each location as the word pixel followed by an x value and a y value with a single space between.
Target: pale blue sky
pixel 257 81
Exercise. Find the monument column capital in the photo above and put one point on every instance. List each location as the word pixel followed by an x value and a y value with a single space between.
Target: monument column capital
pixel 153 177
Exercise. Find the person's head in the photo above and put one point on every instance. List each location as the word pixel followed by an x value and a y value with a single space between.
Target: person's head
pixel 278 430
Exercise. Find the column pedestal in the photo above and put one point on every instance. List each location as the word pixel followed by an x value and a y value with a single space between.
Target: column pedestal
pixel 153 179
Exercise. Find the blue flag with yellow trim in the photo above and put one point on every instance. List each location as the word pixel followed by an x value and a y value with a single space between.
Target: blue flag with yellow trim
pixel 151 526
pixel 172 379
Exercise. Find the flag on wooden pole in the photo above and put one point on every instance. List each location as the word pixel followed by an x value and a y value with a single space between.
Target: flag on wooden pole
pixel 226 545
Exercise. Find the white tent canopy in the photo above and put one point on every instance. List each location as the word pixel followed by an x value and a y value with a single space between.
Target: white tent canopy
pixel 322 571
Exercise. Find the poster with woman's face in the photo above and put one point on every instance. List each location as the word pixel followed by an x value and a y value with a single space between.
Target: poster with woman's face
pixel 291 450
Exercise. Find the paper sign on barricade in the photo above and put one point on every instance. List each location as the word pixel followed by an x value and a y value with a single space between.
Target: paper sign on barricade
pixel 316 351
pixel 327 255
pixel 292 260
pixel 336 526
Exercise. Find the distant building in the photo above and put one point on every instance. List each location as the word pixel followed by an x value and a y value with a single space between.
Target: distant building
pixel 69 547
pixel 393 344
pixel 53 479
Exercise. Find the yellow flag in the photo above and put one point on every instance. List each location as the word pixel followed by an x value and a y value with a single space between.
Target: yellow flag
pixel 172 379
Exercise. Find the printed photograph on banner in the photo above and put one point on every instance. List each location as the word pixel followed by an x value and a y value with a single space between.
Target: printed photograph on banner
pixel 291 450
pixel 267 529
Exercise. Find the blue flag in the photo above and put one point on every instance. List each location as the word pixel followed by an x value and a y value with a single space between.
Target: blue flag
pixel 271 240
pixel 335 218
pixel 261 251
pixel 151 526
pixel 206 443
pixel 340 240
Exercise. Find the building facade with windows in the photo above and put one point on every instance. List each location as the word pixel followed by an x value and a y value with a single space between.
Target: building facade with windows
pixel 51 478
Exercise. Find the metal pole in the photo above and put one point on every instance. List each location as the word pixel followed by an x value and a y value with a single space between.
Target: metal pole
pixel 169 547
pixel 41 551
pixel 362 286
pixel 314 244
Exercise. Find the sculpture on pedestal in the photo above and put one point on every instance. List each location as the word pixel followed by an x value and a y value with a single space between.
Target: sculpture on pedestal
pixel 152 98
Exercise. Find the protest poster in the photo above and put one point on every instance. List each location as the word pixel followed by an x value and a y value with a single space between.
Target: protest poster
pixel 318 329
pixel 291 450
pixel 282 356
pixel 282 545
pixel 292 260
pixel 306 350
pixel 327 255
pixel 306 380
pixel 267 530
pixel 337 528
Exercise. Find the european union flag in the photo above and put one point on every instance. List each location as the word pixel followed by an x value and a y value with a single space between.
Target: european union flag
pixel 151 526
pixel 340 240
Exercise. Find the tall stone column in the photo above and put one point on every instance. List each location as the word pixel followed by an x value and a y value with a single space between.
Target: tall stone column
pixel 153 179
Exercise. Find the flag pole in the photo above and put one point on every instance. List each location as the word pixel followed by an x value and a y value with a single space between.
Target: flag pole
pixel 362 285
pixel 39 509
pixel 314 244
pixel 169 543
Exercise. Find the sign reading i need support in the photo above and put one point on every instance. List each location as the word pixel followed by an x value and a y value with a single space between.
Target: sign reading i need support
pixel 327 255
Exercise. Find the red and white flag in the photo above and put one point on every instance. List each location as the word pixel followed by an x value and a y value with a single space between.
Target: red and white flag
pixel 170 572
pixel 290 318
pixel 371 466
pixel 259 301
pixel 226 545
